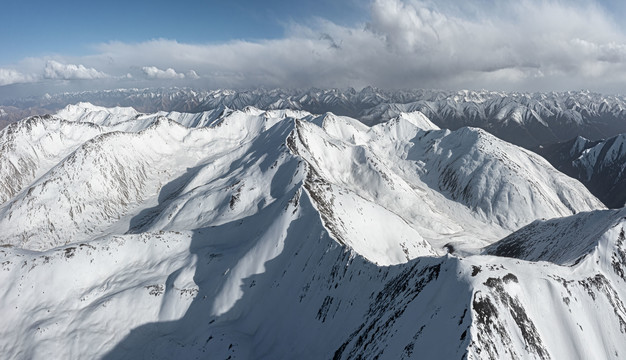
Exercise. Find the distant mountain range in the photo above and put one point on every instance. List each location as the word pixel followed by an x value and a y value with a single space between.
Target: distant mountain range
pixel 240 232
pixel 523 119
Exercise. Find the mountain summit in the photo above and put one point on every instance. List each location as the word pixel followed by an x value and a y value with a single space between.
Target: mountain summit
pixel 284 234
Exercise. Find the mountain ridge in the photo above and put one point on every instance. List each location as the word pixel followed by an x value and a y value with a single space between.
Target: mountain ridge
pixel 526 119
pixel 284 234
pixel 597 164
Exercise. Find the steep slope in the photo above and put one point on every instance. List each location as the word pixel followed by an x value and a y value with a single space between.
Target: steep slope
pixel 563 241
pixel 108 176
pixel 562 154
pixel 599 165
pixel 207 292
pixel 464 187
pixel 500 181
pixel 94 185
pixel 280 234
pixel 514 308
pixel 448 190
pixel 33 146
pixel 117 174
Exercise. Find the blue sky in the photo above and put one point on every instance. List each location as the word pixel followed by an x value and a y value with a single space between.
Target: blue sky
pixel 526 45
pixel 40 28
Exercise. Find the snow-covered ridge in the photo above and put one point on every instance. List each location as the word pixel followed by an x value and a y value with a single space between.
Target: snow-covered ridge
pixel 611 152
pixel 406 170
pixel 33 146
pixel 282 234
pixel 599 165
pixel 561 241
pixel 86 112
pixel 542 118
pixel 478 179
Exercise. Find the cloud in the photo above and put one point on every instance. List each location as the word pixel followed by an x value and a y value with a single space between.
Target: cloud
pixel 10 76
pixel 191 74
pixel 521 39
pixel 152 72
pixel 407 28
pixel 57 70
pixel 527 45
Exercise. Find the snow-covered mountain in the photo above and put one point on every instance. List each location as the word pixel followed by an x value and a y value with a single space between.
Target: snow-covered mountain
pixel 599 165
pixel 284 234
pixel 525 119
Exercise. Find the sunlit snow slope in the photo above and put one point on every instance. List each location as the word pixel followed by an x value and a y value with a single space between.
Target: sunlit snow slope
pixel 282 234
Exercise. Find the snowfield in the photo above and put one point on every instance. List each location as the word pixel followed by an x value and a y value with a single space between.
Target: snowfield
pixel 280 234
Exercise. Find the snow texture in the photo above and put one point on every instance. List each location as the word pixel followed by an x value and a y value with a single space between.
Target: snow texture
pixel 282 234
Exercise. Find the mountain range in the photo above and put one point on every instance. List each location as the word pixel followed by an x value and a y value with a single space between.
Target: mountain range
pixel 525 119
pixel 282 233
pixel 598 164
pixel 536 121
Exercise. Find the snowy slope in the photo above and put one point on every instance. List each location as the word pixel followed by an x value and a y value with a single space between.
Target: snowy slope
pixel 86 112
pixel 308 298
pixel 502 182
pixel 33 146
pixel 128 119
pixel 114 173
pixel 599 165
pixel 444 184
pixel 281 234
pixel 563 241
pixel 94 185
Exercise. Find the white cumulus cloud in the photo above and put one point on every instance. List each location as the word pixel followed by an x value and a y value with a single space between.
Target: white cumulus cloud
pixel 57 70
pixel 153 72
pixel 10 76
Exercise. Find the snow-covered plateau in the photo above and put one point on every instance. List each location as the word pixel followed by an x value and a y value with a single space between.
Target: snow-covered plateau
pixel 281 234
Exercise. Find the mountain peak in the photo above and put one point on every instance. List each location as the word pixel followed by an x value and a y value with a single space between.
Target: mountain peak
pixel 87 112
pixel 174 235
